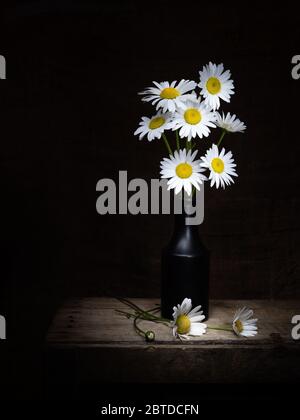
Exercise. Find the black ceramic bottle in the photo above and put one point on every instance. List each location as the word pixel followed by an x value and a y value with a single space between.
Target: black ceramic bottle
pixel 185 269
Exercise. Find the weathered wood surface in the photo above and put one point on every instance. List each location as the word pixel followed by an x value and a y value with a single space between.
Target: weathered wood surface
pixel 89 342
pixel 95 321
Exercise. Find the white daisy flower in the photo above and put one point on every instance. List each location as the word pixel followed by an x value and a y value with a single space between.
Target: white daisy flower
pixel 182 171
pixel 242 324
pixel 187 321
pixel 215 84
pixel 168 96
pixel 193 119
pixel 154 127
pixel 221 166
pixel 230 123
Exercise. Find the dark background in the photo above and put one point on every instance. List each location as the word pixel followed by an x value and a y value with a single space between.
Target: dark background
pixel 69 108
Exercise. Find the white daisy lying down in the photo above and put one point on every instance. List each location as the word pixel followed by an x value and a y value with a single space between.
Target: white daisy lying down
pixel 242 324
pixel 187 321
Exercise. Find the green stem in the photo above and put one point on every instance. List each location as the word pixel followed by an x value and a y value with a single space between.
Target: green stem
pixel 137 329
pixel 177 140
pixel 130 304
pixel 221 137
pixel 137 309
pixel 167 144
pixel 146 315
pixel 143 314
pixel 129 315
pixel 137 317
pixel 220 328
pixel 149 317
pixel 187 145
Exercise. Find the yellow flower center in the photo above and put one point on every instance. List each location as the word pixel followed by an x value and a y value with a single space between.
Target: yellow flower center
pixel 239 325
pixel 213 85
pixel 156 123
pixel 184 170
pixel 217 165
pixel 192 116
pixel 169 93
pixel 183 324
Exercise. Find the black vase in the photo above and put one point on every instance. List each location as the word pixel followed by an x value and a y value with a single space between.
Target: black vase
pixel 185 269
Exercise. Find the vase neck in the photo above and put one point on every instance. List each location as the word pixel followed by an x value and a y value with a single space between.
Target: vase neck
pixel 186 239
pixel 181 224
pixel 188 211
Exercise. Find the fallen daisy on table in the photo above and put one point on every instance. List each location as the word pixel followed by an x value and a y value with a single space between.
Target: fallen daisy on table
pixel 187 321
pixel 242 323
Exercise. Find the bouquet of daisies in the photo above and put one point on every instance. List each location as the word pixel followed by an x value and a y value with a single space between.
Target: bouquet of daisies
pixel 192 115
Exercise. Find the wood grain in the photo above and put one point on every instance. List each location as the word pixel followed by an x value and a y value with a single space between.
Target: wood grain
pixel 89 342
pixel 95 321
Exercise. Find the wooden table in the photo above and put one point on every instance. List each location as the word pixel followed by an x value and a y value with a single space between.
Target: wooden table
pixel 89 342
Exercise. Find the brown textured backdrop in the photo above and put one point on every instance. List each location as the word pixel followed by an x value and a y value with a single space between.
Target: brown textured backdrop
pixel 69 109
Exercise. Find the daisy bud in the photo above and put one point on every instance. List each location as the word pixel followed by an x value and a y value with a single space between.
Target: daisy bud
pixel 150 336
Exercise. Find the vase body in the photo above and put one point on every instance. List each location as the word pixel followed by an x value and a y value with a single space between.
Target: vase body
pixel 185 269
